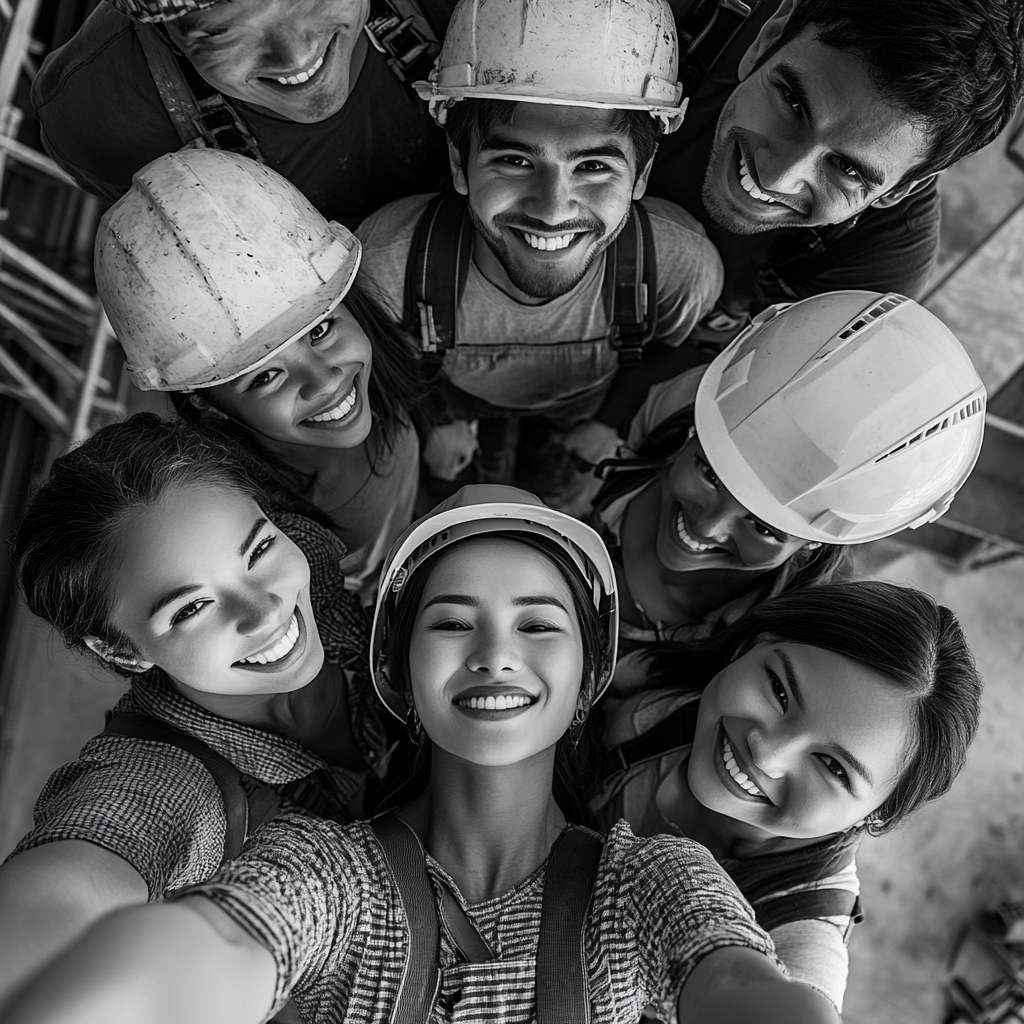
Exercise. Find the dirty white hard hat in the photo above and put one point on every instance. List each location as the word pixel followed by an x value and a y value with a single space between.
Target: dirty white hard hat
pixel 619 54
pixel 479 509
pixel 210 264
pixel 842 418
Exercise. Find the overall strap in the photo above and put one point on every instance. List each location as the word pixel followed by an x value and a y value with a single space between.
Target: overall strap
pixel 561 960
pixel 224 773
pixel 421 979
pixel 194 107
pixel 399 30
pixel 631 287
pixel 710 28
pixel 671 733
pixel 815 903
pixel 436 271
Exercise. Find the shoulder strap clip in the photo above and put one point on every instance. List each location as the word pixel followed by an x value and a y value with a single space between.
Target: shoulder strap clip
pixel 407 42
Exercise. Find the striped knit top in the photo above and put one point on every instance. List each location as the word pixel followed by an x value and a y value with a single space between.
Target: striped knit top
pixel 321 898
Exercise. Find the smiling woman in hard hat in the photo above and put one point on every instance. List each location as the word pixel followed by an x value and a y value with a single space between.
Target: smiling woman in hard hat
pixel 842 419
pixel 477 900
pixel 224 286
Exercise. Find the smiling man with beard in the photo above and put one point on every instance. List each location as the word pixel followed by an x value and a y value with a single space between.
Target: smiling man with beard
pixel 553 114
pixel 811 145
pixel 302 83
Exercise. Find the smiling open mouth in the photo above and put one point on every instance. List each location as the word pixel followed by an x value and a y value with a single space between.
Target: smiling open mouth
pixel 302 76
pixel 549 243
pixel 280 649
pixel 337 412
pixel 737 776
pixel 748 183
pixel 689 542
pixel 500 703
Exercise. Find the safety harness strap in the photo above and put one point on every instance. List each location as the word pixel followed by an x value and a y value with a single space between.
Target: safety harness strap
pixel 671 733
pixel 804 906
pixel 228 778
pixel 400 31
pixel 561 967
pixel 710 28
pixel 438 265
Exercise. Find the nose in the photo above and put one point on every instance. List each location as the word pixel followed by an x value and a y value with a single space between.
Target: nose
pixel 773 750
pixel 289 48
pixel 254 609
pixel 718 519
pixel 494 653
pixel 786 166
pixel 311 369
pixel 552 197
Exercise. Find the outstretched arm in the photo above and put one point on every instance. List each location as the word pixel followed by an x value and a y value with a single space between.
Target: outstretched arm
pixel 733 985
pixel 157 964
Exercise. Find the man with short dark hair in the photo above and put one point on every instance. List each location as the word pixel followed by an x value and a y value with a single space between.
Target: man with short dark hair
pixel 302 83
pixel 810 147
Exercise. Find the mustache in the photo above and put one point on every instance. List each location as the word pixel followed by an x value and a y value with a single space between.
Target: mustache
pixel 509 220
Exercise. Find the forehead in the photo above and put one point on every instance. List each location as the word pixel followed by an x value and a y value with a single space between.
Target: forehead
pixel 557 131
pixel 262 13
pixel 845 109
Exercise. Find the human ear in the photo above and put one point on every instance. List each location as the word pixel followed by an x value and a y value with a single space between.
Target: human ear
pixel 458 171
pixel 771 31
pixel 898 194
pixel 107 652
pixel 640 185
pixel 206 406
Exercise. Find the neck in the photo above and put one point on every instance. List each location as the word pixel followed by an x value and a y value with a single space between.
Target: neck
pixel 489 827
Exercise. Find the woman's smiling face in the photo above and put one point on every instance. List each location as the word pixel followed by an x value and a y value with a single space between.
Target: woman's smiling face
pixel 496 655
pixel 702 526
pixel 798 741
pixel 208 589
pixel 313 392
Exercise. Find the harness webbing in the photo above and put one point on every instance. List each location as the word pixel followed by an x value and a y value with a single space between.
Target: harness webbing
pixel 561 984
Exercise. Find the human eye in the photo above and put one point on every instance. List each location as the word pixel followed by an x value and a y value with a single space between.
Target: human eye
pixel 261 379
pixel 835 768
pixel 706 471
pixel 778 690
pixel 765 531
pixel 514 162
pixel 320 331
pixel 789 98
pixel 449 625
pixel 261 549
pixel 541 626
pixel 593 167
pixel 190 611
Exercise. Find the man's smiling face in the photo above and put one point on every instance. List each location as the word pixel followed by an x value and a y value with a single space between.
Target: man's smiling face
pixel 548 192
pixel 806 139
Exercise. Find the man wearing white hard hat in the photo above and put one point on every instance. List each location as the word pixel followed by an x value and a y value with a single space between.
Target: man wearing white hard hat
pixel 541 277
pixel 318 89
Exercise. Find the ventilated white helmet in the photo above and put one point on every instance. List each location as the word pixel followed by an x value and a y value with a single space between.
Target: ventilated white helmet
pixel 481 509
pixel 843 418
pixel 621 54
pixel 210 264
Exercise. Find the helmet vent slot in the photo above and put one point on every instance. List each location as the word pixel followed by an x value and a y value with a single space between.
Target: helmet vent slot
pixel 947 420
pixel 869 316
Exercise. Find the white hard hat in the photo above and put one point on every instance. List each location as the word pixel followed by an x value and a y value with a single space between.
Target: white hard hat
pixel 842 418
pixel 481 509
pixel 210 264
pixel 589 53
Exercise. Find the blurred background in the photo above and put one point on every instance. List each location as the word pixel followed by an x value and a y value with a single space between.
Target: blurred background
pixel 944 896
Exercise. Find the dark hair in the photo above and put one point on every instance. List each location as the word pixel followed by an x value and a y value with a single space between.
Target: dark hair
pixel 67 539
pixel 898 631
pixel 570 779
pixel 808 567
pixel 397 391
pixel 956 67
pixel 642 130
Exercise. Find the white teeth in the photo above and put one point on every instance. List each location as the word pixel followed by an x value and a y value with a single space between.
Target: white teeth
pixel 740 778
pixel 302 76
pixel 280 649
pixel 341 410
pixel 548 244
pixel 500 703
pixel 687 540
pixel 749 185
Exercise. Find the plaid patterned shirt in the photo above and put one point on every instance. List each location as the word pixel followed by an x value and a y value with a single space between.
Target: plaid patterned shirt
pixel 160 10
pixel 157 807
pixel 321 898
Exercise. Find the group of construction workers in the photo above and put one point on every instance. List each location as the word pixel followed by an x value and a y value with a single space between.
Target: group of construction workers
pixel 518 353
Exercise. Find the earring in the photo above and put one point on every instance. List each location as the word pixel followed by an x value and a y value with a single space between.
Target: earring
pixel 414 726
pixel 579 719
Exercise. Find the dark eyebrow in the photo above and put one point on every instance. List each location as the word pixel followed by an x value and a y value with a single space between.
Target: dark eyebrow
pixel 465 599
pixel 494 141
pixel 606 150
pixel 518 602
pixel 871 174
pixel 171 596
pixel 856 765
pixel 500 142
pixel 539 599
pixel 251 536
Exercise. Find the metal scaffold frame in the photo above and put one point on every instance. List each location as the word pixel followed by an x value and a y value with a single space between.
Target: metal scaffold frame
pixel 43 312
